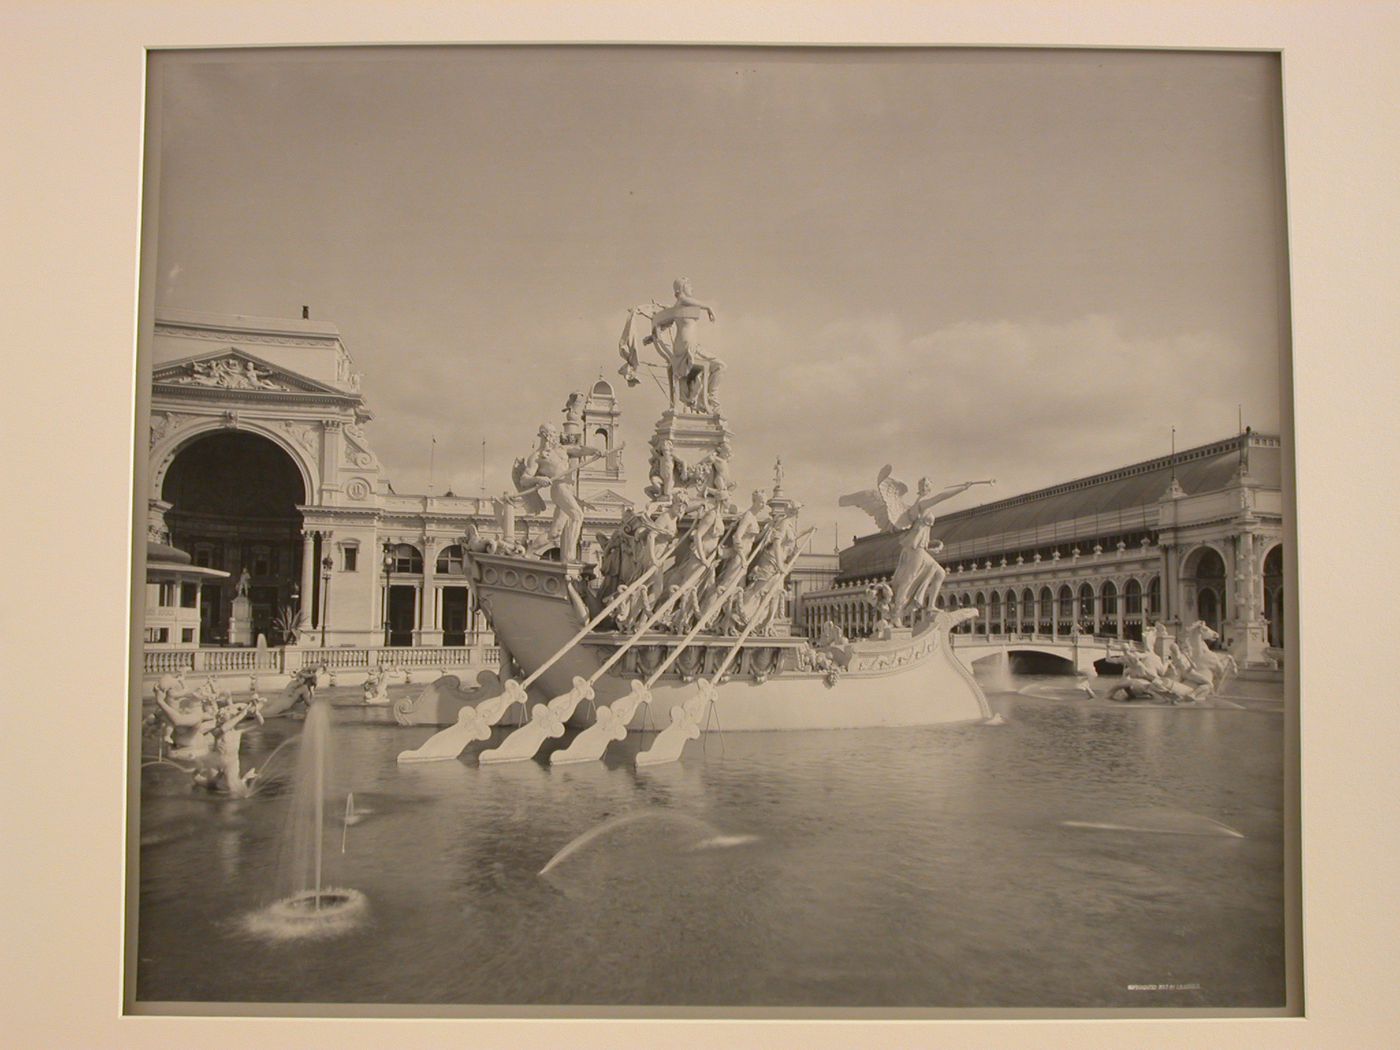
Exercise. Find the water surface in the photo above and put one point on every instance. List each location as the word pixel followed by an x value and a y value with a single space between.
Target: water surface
pixel 1056 861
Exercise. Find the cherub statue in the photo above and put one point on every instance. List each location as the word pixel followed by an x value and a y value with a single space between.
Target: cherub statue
pixel 223 773
pixel 881 598
pixel 667 470
pixel 375 690
pixel 713 473
pixel 191 717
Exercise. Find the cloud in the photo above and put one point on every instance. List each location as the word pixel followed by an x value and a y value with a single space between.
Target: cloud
pixel 1030 403
pixel 1027 402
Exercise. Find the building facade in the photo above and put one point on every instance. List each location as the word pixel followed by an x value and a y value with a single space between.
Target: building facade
pixel 1197 535
pixel 259 461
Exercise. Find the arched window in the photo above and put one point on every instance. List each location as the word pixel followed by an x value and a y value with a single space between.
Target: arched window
pixel 1154 596
pixel 1086 602
pixel 1132 598
pixel 451 561
pixel 407 558
pixel 1109 596
pixel 600 438
pixel 1066 603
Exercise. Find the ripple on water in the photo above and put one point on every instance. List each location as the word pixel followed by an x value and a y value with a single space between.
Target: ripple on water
pixel 309 916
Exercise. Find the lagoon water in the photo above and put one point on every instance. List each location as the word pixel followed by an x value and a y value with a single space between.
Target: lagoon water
pixel 1059 860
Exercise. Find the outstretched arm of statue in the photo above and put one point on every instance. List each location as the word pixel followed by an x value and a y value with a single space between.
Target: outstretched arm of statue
pixel 950 492
pixel 685 300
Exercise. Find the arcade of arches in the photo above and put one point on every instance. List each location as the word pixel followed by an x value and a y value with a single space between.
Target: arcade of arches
pixel 1192 536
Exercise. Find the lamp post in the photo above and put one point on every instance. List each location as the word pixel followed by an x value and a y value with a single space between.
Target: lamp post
pixel 293 615
pixel 325 595
pixel 388 573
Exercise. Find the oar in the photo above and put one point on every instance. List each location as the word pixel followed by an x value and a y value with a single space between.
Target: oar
pixel 611 721
pixel 475 722
pixel 515 691
pixel 591 743
pixel 547 720
pixel 685 718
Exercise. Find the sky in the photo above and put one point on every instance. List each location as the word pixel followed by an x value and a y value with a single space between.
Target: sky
pixel 1027 265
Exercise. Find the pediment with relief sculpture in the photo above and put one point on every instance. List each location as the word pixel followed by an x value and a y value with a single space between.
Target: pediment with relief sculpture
pixel 240 372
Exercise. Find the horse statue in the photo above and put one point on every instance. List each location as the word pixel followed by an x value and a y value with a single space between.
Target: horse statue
pixel 1219 666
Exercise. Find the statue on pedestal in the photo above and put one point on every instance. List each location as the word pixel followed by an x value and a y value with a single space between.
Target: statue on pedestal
pixel 694 377
pixel 551 466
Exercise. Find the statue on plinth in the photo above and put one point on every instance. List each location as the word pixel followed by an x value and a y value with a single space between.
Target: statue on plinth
pixel 551 466
pixel 694 376
pixel 917 577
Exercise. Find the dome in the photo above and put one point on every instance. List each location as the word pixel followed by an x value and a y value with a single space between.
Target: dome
pixel 162 553
pixel 602 388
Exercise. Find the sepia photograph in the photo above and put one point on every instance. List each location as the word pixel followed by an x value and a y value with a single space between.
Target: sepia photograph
pixel 712 528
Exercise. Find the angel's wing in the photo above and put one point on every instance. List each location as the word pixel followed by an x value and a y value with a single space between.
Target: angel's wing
pixel 885 502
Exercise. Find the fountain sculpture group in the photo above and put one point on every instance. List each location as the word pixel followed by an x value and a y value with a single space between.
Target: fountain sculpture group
pixel 1166 670
pixel 201 731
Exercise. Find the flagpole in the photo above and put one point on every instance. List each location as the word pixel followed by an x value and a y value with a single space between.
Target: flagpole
pixel 432 450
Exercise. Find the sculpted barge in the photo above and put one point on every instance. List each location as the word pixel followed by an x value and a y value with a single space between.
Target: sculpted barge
pixel 681 626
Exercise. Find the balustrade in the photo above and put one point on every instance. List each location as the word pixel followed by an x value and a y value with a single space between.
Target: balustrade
pixel 340 658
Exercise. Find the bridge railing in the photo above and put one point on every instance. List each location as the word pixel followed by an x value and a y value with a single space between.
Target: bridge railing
pixel 1004 638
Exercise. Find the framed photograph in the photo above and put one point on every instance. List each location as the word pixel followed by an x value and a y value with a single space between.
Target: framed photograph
pixel 679 532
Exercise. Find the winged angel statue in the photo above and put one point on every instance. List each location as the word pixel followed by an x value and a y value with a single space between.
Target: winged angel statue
pixel 917 577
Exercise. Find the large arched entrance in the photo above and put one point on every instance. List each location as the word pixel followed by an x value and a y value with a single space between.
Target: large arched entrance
pixel 234 498
pixel 1203 575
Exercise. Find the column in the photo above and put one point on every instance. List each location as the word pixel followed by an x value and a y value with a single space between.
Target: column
pixel 1251 634
pixel 308 573
pixel 1171 586
pixel 428 631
